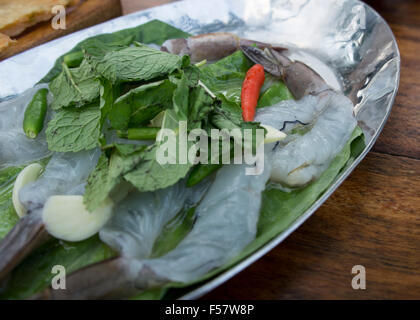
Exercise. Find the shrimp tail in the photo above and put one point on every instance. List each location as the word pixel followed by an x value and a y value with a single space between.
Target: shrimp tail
pixel 25 237
pixel 301 79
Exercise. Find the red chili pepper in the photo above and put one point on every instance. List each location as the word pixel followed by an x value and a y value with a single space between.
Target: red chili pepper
pixel 251 91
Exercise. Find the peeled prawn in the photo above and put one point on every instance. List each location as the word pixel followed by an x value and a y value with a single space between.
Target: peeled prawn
pixel 326 121
pixel 226 222
pixel 325 115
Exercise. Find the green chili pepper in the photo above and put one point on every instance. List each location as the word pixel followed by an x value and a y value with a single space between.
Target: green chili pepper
pixel 35 112
pixel 200 172
pixel 74 59
pixel 146 133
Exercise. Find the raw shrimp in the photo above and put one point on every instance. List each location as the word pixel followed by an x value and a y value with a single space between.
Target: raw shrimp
pixel 326 117
pixel 326 123
pixel 132 232
pixel 226 222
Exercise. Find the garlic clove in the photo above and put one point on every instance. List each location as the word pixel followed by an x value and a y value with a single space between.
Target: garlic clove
pixel 27 175
pixel 66 217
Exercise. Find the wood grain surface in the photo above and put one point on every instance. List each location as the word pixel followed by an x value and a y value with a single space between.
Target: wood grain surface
pixel 373 219
pixel 87 14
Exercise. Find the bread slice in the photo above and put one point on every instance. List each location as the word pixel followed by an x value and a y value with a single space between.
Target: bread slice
pixel 18 15
pixel 5 44
pixel 5 41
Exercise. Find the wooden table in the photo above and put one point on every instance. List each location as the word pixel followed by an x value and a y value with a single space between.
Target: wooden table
pixel 373 219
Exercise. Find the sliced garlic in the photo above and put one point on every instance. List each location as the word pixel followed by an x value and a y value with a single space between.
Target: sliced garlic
pixel 27 175
pixel 66 217
pixel 273 135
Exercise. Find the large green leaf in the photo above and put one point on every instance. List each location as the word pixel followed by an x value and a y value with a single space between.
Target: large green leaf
pixel 225 78
pixel 138 106
pixel 34 274
pixel 8 215
pixel 138 63
pixel 75 87
pixel 73 130
pixel 152 32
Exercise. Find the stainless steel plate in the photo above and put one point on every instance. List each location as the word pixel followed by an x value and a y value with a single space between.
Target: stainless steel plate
pixel 344 40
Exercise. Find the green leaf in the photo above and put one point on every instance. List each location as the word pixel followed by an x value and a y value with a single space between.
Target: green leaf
pixel 173 232
pixel 225 77
pixel 8 215
pixel 192 73
pixel 107 97
pixel 200 105
pixel 73 130
pixel 96 49
pixel 98 185
pixel 108 173
pixel 180 99
pixel 75 87
pixel 139 63
pixel 151 32
pixel 34 273
pixel 140 105
pixel 276 93
pixel 150 175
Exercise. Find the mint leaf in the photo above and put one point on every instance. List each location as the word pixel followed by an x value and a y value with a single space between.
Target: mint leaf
pixel 154 31
pixel 107 97
pixel 150 175
pixel 108 173
pixel 96 49
pixel 138 64
pixel 180 99
pixel 140 105
pixel 192 73
pixel 34 273
pixel 73 130
pixel 200 105
pixel 75 87
pixel 97 187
